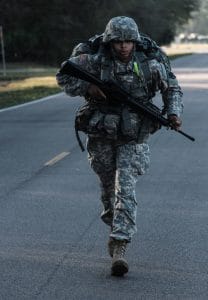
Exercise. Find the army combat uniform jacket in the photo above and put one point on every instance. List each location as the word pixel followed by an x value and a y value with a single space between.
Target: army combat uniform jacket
pixel 117 144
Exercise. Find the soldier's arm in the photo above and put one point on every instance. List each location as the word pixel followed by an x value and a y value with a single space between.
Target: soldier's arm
pixel 172 98
pixel 165 81
pixel 73 86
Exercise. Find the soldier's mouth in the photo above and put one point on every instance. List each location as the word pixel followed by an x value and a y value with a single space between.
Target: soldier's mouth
pixel 124 53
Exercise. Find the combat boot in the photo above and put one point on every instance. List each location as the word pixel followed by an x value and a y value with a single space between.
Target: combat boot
pixel 119 264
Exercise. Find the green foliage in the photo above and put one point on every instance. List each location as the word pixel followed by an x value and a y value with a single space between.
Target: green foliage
pixel 45 31
pixel 162 20
pixel 199 21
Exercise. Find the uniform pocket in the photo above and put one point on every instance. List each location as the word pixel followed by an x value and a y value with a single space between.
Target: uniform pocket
pixel 142 158
pixel 82 118
pixel 133 159
pixel 96 122
pixel 130 124
pixel 112 125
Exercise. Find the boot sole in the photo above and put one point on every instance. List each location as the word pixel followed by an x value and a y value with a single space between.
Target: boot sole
pixel 119 268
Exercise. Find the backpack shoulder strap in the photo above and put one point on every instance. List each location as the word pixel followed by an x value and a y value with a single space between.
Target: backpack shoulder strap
pixel 142 59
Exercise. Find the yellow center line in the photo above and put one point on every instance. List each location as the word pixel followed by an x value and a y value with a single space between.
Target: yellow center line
pixel 56 159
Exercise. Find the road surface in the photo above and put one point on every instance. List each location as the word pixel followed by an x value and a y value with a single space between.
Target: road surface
pixel 52 242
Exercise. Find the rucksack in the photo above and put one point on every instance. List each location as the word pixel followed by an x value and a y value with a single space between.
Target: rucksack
pixel 146 49
pixel 147 45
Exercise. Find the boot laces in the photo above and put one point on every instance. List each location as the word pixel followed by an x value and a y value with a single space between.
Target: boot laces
pixel 121 249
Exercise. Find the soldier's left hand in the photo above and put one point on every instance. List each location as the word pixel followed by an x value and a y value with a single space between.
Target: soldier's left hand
pixel 175 122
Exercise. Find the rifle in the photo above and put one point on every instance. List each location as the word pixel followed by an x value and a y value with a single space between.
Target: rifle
pixel 113 91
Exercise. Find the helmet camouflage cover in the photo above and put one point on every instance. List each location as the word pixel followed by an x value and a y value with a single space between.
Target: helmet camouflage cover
pixel 122 29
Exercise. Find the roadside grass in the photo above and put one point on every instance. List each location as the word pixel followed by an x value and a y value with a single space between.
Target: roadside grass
pixel 28 82
pixel 185 48
pixel 178 55
pixel 25 95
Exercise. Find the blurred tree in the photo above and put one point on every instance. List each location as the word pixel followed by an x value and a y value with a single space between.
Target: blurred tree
pixel 46 31
pixel 199 21
pixel 160 19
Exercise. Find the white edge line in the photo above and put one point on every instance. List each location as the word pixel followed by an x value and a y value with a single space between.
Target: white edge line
pixel 30 103
pixel 56 159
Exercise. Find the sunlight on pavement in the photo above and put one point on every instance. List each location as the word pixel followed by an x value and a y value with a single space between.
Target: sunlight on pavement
pixel 192 77
pixel 185 48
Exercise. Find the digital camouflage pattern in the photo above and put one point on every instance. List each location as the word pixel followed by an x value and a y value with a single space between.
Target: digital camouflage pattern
pixel 126 76
pixel 121 29
pixel 116 159
pixel 118 168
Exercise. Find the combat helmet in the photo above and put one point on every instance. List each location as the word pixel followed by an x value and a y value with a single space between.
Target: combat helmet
pixel 121 28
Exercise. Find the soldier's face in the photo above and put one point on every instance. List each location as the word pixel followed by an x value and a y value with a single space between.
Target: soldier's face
pixel 123 49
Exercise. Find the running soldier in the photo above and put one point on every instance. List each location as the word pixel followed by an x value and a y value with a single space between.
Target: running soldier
pixel 117 135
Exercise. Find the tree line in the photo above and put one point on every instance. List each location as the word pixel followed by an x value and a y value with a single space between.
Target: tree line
pixel 46 31
pixel 199 21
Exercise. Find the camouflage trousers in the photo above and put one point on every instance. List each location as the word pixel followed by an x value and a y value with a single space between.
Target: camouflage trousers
pixel 118 168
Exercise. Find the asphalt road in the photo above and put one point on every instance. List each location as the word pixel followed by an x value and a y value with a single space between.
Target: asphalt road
pixel 52 242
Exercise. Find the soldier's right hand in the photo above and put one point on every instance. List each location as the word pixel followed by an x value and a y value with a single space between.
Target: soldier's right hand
pixel 175 122
pixel 95 92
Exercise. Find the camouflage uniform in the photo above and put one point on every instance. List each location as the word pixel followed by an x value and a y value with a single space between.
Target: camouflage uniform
pixel 118 150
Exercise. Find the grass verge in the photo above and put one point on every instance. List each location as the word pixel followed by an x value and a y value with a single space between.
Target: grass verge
pixel 174 56
pixel 11 98
pixel 24 83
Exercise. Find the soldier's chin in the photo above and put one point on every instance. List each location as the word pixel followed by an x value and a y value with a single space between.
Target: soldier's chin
pixel 125 56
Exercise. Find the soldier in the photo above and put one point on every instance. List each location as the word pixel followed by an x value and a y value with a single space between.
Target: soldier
pixel 117 135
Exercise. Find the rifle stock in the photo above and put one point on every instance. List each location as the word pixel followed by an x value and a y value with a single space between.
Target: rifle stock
pixel 114 91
